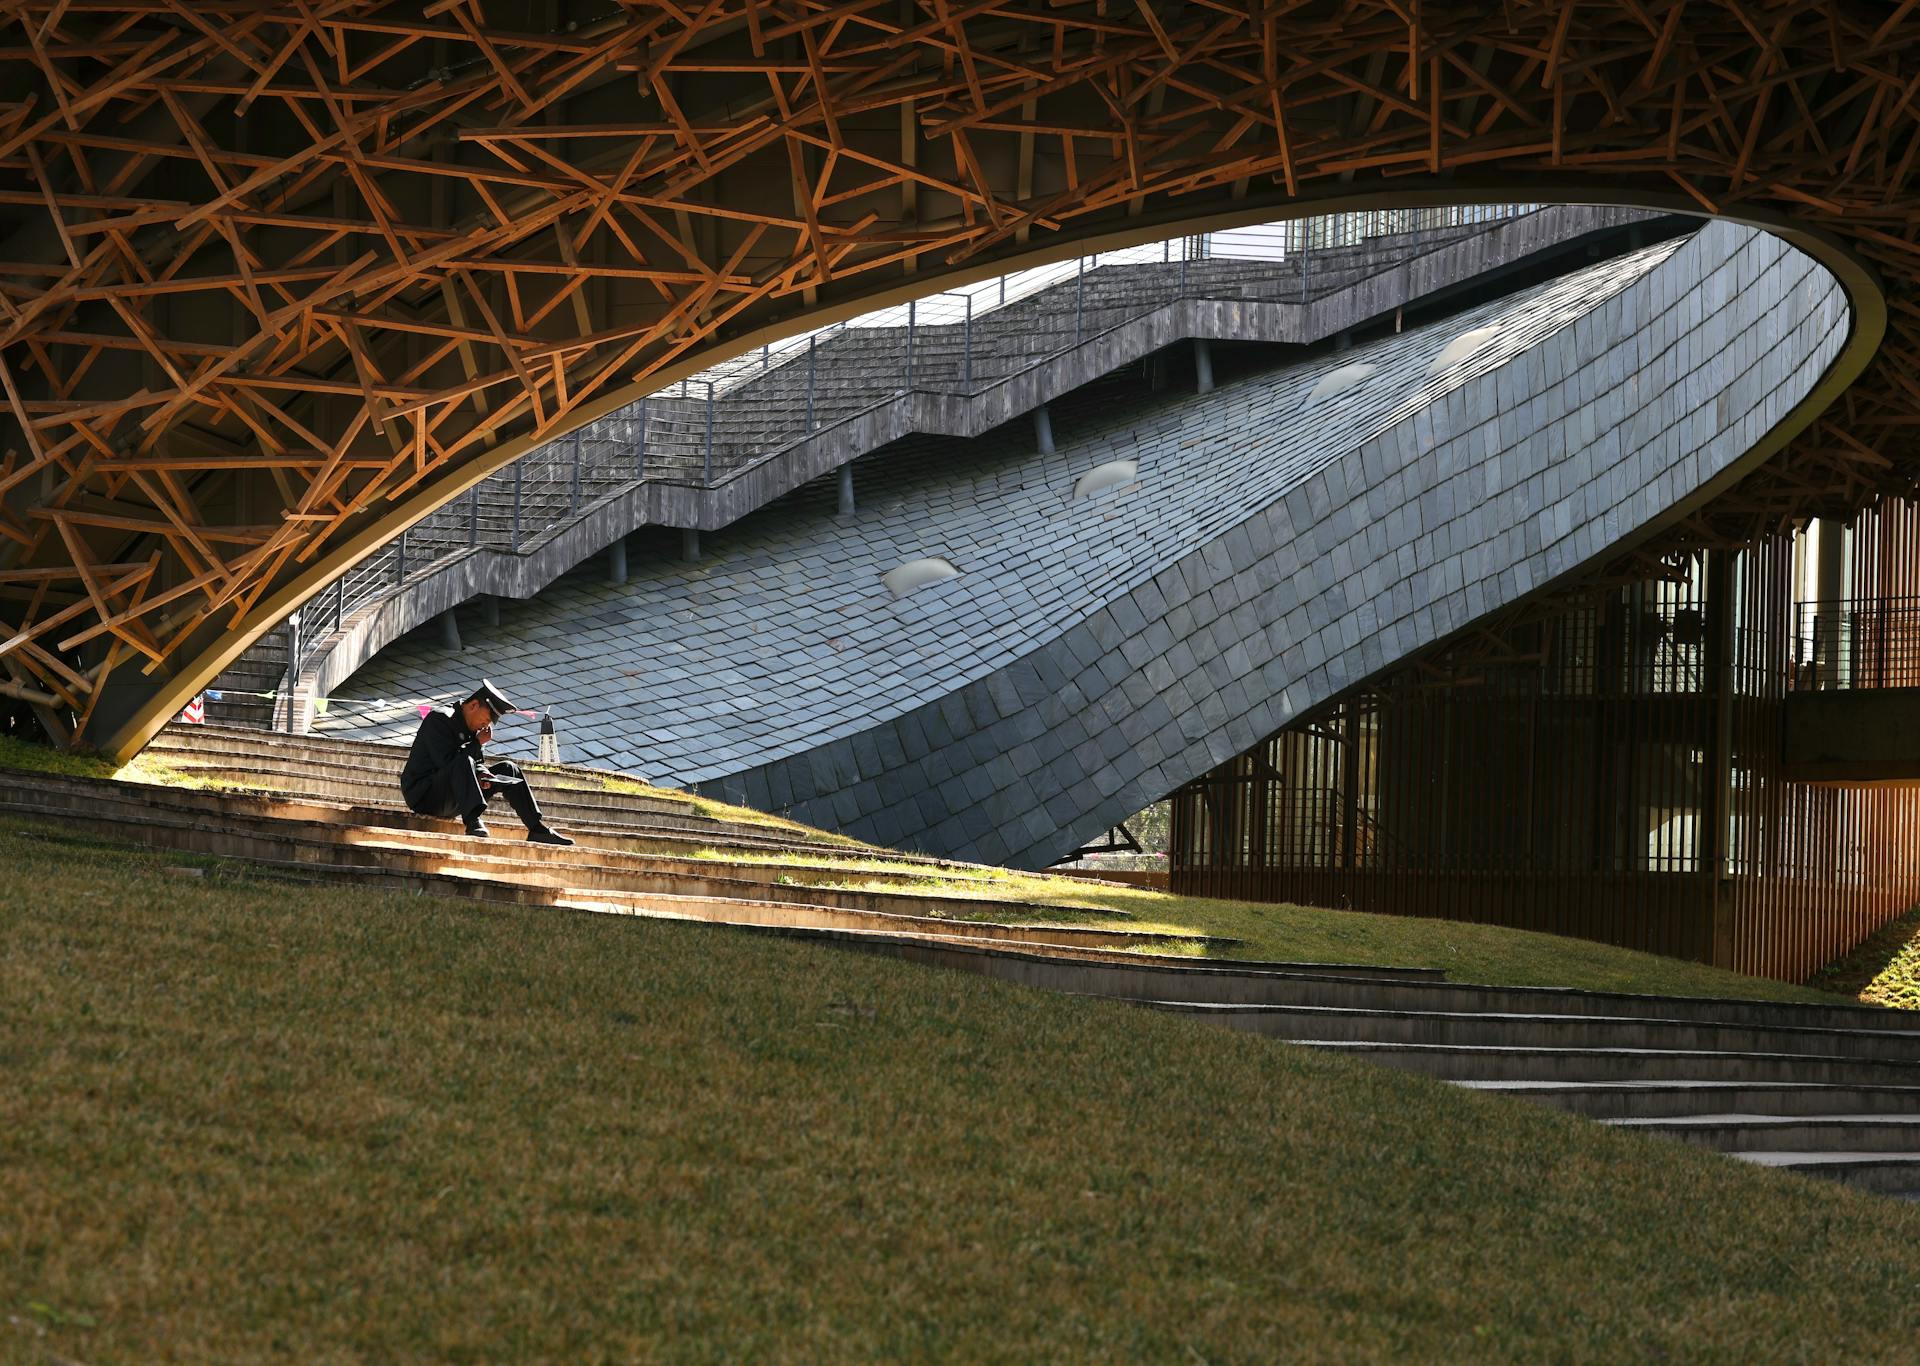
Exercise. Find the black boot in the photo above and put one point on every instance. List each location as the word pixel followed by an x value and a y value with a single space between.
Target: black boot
pixel 546 834
pixel 475 826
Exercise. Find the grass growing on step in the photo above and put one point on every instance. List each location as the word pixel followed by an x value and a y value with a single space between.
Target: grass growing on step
pixel 1884 970
pixel 1489 954
pixel 721 811
pixel 244 1123
pixel 25 756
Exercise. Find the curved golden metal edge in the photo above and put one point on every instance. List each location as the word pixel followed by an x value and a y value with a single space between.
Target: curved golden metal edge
pixel 1867 317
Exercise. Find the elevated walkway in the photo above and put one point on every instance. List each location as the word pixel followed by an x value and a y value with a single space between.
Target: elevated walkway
pixel 1824 1090
pixel 1853 737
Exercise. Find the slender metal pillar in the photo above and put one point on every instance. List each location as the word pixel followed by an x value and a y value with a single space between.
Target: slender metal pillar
pixel 1043 429
pixel 846 489
pixel 490 610
pixel 1829 588
pixel 690 543
pixel 966 373
pixel 1202 366
pixel 810 369
pixel 707 464
pixel 450 630
pixel 617 561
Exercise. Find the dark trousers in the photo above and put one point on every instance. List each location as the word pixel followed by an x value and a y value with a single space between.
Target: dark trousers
pixel 456 791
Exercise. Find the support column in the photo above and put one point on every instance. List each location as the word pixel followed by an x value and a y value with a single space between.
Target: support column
pixel 617 561
pixel 846 489
pixel 490 610
pixel 1202 366
pixel 1715 817
pixel 449 630
pixel 1829 586
pixel 690 543
pixel 1043 429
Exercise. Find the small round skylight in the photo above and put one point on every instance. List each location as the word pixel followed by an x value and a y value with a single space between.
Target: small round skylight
pixel 1112 475
pixel 917 574
pixel 1340 380
pixel 1461 347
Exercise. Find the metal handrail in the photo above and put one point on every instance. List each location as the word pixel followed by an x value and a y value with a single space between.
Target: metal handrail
pixel 552 484
pixel 1856 643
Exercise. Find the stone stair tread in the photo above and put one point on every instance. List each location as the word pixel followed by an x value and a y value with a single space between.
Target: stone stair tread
pixel 1548 1050
pixel 1550 1087
pixel 1759 1121
pixel 1764 1158
pixel 1542 1017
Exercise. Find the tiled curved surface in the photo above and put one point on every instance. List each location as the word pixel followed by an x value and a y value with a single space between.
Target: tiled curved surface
pixel 1093 656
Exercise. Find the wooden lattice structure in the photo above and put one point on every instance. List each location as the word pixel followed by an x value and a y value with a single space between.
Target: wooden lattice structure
pixel 279 278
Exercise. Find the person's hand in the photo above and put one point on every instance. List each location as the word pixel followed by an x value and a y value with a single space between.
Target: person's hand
pixel 484 734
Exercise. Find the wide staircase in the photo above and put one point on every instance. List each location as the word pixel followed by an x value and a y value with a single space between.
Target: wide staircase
pixel 1824 1090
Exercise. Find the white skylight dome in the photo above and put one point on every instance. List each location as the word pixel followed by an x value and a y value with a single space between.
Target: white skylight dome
pixel 1461 347
pixel 1340 380
pixel 1112 475
pixel 917 574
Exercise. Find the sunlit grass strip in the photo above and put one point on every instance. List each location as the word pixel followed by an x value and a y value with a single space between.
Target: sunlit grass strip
pixel 1885 970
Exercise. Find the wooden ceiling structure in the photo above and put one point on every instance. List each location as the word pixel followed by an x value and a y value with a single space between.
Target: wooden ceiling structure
pixel 278 277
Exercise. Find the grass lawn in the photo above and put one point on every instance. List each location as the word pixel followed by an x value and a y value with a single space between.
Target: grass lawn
pixel 1885 970
pixel 241 1120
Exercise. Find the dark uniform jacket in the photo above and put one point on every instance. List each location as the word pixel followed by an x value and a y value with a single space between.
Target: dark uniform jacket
pixel 440 764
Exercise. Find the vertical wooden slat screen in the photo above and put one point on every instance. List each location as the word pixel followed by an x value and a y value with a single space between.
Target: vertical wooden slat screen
pixel 1569 780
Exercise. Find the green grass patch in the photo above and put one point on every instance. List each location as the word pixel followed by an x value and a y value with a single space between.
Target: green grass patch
pixel 1885 970
pixel 28 757
pixel 1488 954
pixel 722 811
pixel 244 1121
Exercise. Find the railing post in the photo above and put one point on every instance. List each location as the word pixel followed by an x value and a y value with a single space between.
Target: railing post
pixel 1079 298
pixel 966 363
pixel 1306 256
pixel 810 368
pixel 640 447
pixel 1003 289
pixel 473 516
pixel 293 667
pixel 519 478
pixel 1880 645
pixel 339 600
pixel 707 466
pixel 911 318
pixel 573 488
pixel 400 559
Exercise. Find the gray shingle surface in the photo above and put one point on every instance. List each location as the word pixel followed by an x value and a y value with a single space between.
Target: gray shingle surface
pixel 1271 554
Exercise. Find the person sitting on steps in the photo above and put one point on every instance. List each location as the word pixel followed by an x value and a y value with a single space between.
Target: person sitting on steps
pixel 447 773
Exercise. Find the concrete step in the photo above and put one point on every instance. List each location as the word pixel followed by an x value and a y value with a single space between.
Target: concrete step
pixel 1824 1133
pixel 590 869
pixel 519 874
pixel 1585 1066
pixel 1886 1173
pixel 1682 1099
pixel 370 771
pixel 1492 1029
